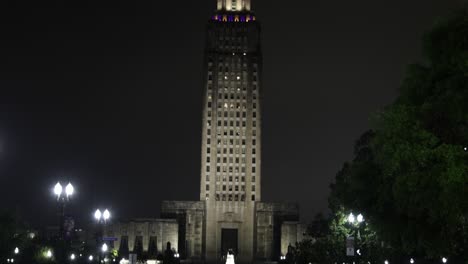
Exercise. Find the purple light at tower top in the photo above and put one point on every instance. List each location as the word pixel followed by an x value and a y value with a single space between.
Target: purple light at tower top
pixel 231 18
pixel 215 17
pixel 242 18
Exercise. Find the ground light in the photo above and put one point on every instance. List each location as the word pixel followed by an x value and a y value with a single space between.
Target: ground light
pixel 411 261
pixel 16 251
pixel 444 260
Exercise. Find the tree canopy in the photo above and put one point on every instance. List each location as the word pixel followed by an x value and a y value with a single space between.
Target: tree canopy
pixel 409 175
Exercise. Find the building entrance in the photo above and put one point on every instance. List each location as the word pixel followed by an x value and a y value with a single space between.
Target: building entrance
pixel 229 240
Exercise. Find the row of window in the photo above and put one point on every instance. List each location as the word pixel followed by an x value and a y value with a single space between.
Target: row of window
pixel 230 188
pixel 230 197
pixel 231 132
pixel 230 178
pixel 231 123
pixel 229 169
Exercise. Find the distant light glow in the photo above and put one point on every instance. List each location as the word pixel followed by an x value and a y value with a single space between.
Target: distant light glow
pixel 72 256
pixel 106 215
pixel 386 262
pixel 97 214
pixel 69 190
pixel 58 189
pixel 48 254
pixel 16 250
pixel 104 247
pixel 351 218
pixel 411 261
pixel 360 218
pixel 444 260
pixel 90 258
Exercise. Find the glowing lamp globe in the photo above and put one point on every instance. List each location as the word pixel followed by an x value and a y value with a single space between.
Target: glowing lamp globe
pixel 106 215
pixel 58 189
pixel 69 189
pixel 97 214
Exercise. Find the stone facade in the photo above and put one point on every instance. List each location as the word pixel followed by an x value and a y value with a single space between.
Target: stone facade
pixel 230 213
pixel 142 232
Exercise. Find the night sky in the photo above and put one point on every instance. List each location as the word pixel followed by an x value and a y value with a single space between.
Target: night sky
pixel 108 95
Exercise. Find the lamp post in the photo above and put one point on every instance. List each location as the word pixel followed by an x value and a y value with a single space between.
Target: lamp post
pixel 355 222
pixel 63 197
pixel 101 219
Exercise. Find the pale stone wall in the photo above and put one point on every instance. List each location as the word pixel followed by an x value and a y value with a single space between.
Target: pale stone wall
pixel 165 230
pixel 291 233
pixel 270 222
pixel 191 218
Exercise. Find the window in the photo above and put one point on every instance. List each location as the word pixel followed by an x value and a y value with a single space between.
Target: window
pixel 207 150
pixel 253 197
pixel 253 178
pixel 207 177
pixel 207 168
pixel 207 187
pixel 253 188
pixel 253 151
pixel 254 142
pixel 208 159
pixel 253 160
pixel 253 169
pixel 209 104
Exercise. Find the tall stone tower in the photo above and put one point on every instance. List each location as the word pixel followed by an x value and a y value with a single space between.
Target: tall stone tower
pixel 230 214
pixel 231 141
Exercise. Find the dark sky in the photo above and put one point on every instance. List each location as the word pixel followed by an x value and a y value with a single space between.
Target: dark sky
pixel 107 94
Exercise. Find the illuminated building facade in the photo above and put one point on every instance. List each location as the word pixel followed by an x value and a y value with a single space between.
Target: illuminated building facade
pixel 230 214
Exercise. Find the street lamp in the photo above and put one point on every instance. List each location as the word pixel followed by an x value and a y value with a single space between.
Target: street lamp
pixel 102 216
pixel 104 248
pixel 97 215
pixel 16 251
pixel 351 218
pixel 444 260
pixel 106 215
pixel 48 253
pixel 411 261
pixel 72 256
pixel 360 218
pixel 90 258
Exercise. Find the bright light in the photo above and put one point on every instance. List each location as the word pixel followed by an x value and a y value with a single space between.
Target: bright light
pixel 104 247
pixel 386 262
pixel 411 261
pixel 97 214
pixel 69 189
pixel 351 218
pixel 106 215
pixel 72 256
pixel 358 252
pixel 360 218
pixel 16 250
pixel 444 260
pixel 238 77
pixel 90 257
pixel 58 189
pixel 48 254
